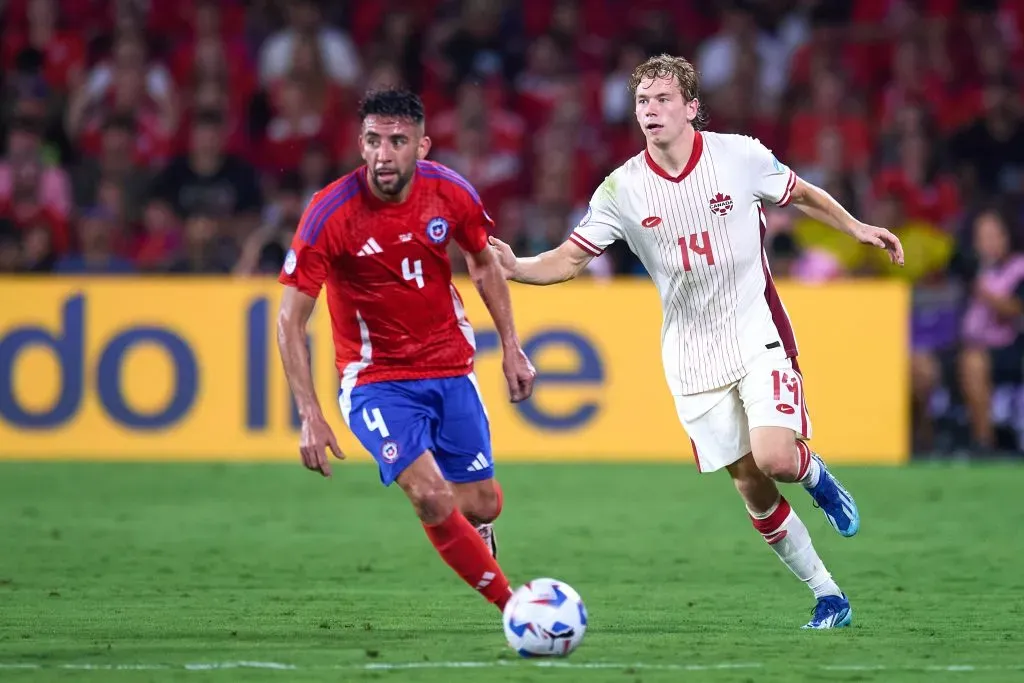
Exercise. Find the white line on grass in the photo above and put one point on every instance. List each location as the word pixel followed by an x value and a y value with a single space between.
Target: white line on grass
pixel 552 664
pixel 241 665
pixel 952 668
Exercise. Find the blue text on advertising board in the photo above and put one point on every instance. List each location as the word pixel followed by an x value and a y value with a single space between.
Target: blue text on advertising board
pixel 67 346
pixel 118 369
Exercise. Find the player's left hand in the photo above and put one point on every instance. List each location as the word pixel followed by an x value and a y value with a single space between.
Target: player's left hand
pixel 883 239
pixel 505 256
pixel 315 439
pixel 519 373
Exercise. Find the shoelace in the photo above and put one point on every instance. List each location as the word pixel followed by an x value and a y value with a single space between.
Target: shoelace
pixel 822 609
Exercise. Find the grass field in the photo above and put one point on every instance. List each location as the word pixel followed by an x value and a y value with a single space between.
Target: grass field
pixel 128 573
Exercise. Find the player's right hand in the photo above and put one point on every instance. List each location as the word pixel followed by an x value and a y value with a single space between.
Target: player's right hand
pixel 505 256
pixel 519 373
pixel 316 438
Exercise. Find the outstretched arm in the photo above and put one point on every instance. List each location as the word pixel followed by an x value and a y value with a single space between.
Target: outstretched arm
pixel 821 206
pixel 317 437
pixel 487 276
pixel 557 265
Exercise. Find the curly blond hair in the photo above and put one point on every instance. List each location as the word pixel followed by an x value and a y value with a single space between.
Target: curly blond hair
pixel 686 76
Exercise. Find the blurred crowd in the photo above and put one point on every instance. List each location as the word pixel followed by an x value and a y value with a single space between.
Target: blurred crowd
pixel 187 137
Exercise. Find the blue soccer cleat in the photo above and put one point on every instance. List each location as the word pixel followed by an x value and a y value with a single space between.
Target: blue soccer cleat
pixel 835 501
pixel 832 611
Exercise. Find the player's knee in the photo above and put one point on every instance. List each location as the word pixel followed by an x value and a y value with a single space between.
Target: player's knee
pixel 779 462
pixel 432 500
pixel 775 452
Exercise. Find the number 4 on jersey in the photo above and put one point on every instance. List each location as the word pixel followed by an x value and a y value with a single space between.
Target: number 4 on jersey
pixel 415 272
pixel 702 247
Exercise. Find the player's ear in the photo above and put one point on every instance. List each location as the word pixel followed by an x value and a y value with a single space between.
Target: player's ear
pixel 361 147
pixel 692 107
pixel 423 148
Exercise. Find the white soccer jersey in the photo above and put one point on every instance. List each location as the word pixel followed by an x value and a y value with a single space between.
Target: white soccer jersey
pixel 701 237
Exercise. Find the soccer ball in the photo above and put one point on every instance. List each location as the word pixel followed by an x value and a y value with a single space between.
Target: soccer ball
pixel 545 618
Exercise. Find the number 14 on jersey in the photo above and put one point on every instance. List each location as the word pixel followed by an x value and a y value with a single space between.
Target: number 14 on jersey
pixel 698 243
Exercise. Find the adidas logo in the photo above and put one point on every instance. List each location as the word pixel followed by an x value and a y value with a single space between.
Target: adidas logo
pixel 485 580
pixel 479 463
pixel 371 247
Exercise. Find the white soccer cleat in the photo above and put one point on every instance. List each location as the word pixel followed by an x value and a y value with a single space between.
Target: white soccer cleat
pixel 486 532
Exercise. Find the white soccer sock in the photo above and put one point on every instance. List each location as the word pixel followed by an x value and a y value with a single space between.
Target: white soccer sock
pixel 808 469
pixel 788 537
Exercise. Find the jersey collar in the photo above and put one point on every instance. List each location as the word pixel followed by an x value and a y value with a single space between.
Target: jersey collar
pixel 698 148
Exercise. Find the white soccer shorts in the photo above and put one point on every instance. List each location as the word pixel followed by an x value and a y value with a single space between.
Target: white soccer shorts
pixel 719 421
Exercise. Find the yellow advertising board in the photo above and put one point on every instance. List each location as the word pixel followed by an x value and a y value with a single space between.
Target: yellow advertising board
pixel 187 369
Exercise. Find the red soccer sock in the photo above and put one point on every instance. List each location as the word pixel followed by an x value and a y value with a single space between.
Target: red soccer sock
pixel 808 469
pixel 461 547
pixel 803 460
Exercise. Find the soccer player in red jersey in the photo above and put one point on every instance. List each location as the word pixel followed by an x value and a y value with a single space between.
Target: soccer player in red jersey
pixel 378 239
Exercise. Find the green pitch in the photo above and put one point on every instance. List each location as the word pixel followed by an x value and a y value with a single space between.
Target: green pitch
pixel 178 572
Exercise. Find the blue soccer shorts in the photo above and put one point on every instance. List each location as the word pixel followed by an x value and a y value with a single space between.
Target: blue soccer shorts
pixel 397 421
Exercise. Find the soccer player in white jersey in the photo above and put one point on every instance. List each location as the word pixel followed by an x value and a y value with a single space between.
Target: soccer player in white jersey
pixel 690 207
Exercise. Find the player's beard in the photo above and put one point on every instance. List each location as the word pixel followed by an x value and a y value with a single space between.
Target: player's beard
pixel 395 185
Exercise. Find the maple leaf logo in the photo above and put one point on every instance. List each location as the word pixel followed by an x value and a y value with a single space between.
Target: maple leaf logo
pixel 720 204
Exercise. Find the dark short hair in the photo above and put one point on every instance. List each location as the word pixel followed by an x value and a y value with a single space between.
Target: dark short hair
pixel 403 104
pixel 1002 210
pixel 124 122
pixel 208 117
pixel 8 231
pixel 26 124
pixel 291 183
pixel 29 60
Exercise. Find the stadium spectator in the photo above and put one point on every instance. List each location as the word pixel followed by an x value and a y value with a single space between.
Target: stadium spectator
pixel 990 152
pixel 264 250
pixel 479 46
pixel 741 43
pixel 10 248
pixel 993 346
pixel 34 195
pixel 115 164
pixel 96 254
pixel 399 40
pixel 158 239
pixel 128 84
pixel 207 247
pixel 61 52
pixel 206 179
pixel 298 123
pixel 337 51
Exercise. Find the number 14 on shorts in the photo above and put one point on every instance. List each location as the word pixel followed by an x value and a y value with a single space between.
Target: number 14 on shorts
pixel 788 382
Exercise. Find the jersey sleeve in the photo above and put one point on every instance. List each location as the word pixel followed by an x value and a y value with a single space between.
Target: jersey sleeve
pixel 306 263
pixel 773 180
pixel 601 224
pixel 472 231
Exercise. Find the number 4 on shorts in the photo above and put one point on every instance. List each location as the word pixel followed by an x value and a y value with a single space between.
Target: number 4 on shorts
pixel 375 422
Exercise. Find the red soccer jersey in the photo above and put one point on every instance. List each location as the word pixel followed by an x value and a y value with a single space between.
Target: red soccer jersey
pixel 395 313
